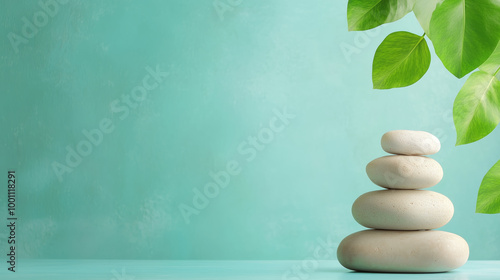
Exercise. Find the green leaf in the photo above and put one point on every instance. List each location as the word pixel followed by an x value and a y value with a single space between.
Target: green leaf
pixel 488 197
pixel 492 64
pixel 465 33
pixel 400 60
pixel 368 14
pixel 423 10
pixel 476 111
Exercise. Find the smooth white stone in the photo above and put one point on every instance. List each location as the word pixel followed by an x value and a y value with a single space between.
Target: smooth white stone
pixel 403 251
pixel 402 209
pixel 404 172
pixel 410 142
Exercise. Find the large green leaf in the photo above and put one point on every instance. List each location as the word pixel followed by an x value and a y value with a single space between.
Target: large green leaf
pixel 423 10
pixel 492 64
pixel 368 14
pixel 476 111
pixel 400 60
pixel 465 33
pixel 488 198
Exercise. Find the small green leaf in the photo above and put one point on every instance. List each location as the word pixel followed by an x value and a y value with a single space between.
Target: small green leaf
pixel 465 33
pixel 400 60
pixel 492 64
pixel 488 197
pixel 368 14
pixel 476 111
pixel 423 10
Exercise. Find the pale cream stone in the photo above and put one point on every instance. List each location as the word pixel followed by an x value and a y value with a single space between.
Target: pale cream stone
pixel 402 209
pixel 403 251
pixel 410 142
pixel 404 172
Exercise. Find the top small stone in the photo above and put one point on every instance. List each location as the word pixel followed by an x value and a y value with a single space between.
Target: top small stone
pixel 410 142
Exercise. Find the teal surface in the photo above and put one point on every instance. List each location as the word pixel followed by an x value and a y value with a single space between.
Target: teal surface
pixel 255 270
pixel 116 115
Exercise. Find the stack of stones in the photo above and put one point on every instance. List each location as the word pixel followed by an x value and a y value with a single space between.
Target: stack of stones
pixel 402 217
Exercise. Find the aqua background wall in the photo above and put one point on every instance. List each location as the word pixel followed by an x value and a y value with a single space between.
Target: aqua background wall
pixel 231 76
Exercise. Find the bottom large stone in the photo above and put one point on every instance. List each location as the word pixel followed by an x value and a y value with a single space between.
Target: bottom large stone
pixel 403 251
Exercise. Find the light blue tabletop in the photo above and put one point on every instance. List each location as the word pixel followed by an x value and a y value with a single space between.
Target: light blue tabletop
pixel 255 270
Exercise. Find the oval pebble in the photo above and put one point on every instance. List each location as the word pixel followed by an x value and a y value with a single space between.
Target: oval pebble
pixel 404 172
pixel 403 251
pixel 402 209
pixel 410 142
